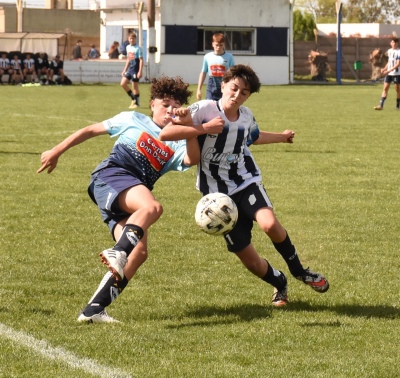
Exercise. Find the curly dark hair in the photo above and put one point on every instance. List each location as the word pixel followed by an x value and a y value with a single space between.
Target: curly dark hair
pixel 244 72
pixel 173 87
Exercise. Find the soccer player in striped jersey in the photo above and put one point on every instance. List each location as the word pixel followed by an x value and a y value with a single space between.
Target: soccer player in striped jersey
pixel 392 72
pixel 5 67
pixel 29 67
pixel 228 166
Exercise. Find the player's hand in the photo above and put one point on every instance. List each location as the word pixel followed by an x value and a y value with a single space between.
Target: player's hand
pixel 288 136
pixel 49 160
pixel 198 95
pixel 182 116
pixel 214 126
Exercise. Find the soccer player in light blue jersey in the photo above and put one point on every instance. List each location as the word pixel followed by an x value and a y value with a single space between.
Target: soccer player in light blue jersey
pixel 121 185
pixel 133 70
pixel 215 64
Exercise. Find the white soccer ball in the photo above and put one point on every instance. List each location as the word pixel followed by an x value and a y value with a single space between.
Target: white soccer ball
pixel 216 213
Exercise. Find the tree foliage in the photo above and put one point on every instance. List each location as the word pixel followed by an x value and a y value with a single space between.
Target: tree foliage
pixel 372 11
pixel 303 26
pixel 324 11
pixel 353 11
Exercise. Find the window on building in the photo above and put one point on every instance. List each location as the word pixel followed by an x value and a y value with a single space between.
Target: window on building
pixel 237 40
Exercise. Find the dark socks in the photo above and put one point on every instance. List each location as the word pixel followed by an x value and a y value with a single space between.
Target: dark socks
pixel 274 277
pixel 137 99
pixel 289 254
pixel 107 292
pixel 382 102
pixel 131 95
pixel 398 103
pixel 130 237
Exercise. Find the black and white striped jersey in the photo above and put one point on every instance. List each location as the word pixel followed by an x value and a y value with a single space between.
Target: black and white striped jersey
pixel 29 63
pixel 226 165
pixel 393 58
pixel 4 63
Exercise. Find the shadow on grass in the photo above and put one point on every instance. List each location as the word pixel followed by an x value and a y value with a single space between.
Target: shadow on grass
pixel 353 310
pixel 209 316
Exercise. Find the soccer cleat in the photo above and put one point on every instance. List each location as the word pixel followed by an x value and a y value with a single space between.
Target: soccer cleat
pixel 315 280
pixel 115 260
pixel 378 108
pixel 133 105
pixel 101 317
pixel 280 298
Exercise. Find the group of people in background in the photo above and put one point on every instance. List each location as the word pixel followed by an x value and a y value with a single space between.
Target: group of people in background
pixel 215 64
pixel 34 68
pixel 93 53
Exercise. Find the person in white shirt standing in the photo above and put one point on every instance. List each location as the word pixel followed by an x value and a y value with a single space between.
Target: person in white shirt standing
pixel 392 72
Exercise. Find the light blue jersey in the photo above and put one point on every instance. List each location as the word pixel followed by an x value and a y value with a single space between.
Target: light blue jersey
pixel 134 53
pixel 139 150
pixel 216 65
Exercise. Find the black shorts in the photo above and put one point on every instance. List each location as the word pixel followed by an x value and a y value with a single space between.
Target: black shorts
pixel 131 75
pixel 392 79
pixel 248 202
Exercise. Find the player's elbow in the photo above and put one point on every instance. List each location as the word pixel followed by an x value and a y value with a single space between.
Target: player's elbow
pixel 190 160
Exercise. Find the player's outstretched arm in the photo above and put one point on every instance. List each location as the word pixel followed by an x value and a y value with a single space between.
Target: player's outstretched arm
pixel 49 159
pixel 176 132
pixel 192 156
pixel 269 137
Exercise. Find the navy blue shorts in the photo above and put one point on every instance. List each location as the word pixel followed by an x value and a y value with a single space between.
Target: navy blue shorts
pixel 392 79
pixel 104 189
pixel 131 75
pixel 213 90
pixel 248 202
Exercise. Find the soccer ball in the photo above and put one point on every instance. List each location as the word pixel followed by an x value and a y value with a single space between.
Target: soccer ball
pixel 216 214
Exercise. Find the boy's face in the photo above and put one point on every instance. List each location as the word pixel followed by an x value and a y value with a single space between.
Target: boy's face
pixel 132 39
pixel 393 44
pixel 219 47
pixel 163 110
pixel 234 93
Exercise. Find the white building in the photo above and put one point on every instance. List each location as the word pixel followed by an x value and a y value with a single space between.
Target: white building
pixel 258 33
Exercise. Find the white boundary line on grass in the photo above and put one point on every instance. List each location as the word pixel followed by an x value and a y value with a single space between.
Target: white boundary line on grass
pixel 60 354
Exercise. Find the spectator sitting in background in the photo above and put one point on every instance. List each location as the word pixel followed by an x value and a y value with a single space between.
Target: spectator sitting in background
pixel 29 67
pixel 56 68
pixel 123 48
pixel 16 69
pixel 77 51
pixel 5 67
pixel 113 53
pixel 93 53
pixel 43 68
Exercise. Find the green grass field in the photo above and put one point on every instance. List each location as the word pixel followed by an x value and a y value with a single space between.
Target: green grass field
pixel 193 310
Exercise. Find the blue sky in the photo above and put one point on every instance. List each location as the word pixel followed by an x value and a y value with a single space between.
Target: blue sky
pixel 78 4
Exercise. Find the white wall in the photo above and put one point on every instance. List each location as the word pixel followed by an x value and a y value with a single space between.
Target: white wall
pixel 225 12
pixel 362 30
pixel 270 70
